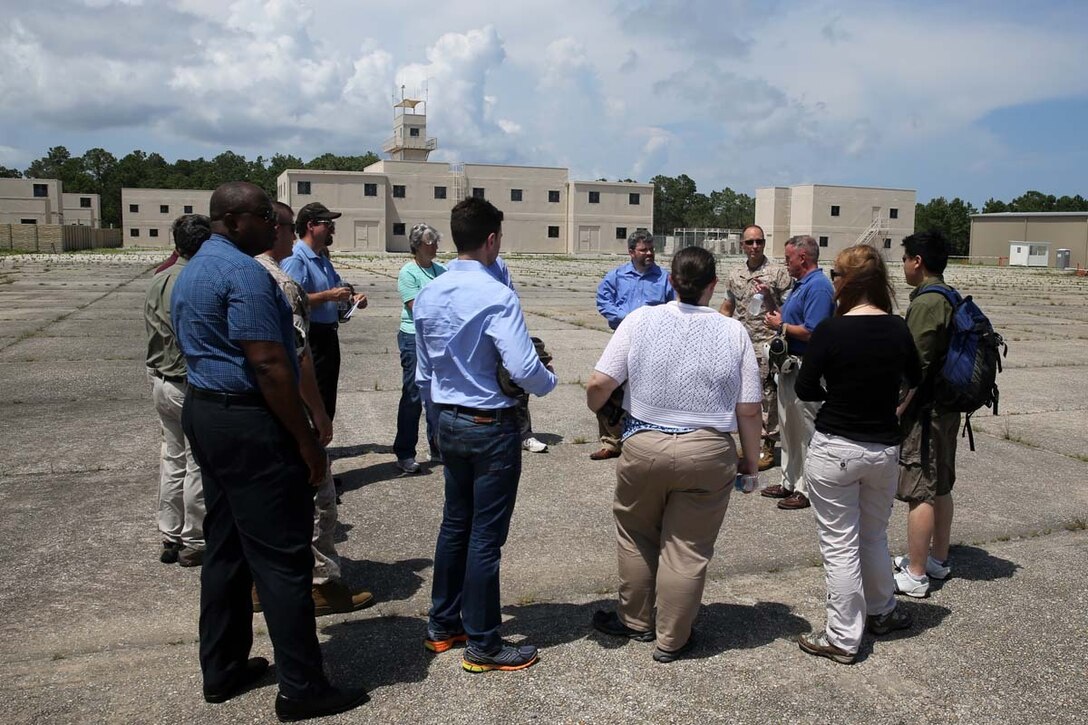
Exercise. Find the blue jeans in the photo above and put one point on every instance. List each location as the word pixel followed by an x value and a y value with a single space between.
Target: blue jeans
pixel 404 445
pixel 482 465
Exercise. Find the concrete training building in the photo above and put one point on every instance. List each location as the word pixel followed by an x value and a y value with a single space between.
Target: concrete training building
pixel 43 201
pixel 836 216
pixel 544 211
pixel 1030 238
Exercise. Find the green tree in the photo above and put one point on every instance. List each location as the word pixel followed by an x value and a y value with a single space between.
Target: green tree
pixel 332 162
pixel 994 206
pixel 673 198
pixel 951 217
pixel 6 173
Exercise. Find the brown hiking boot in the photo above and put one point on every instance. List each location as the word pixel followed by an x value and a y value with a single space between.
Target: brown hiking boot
pixel 604 454
pixel 766 456
pixel 334 598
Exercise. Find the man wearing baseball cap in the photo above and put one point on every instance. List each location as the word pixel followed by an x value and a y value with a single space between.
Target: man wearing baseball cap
pixel 310 266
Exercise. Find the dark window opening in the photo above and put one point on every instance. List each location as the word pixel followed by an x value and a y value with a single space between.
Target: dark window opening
pixel 834 211
pixel 134 208
pixel 85 202
pixel 413 132
pixel 594 197
pixel 134 232
pixel 398 229
pixel 887 243
pixel 439 192
pixel 152 232
pixel 164 208
pixel 515 195
pixel 370 189
pixel 553 197
pixel 478 192
pixel 553 232
pixel 893 213
pixel 398 191
pixel 823 240
pixel 633 199
pixel 41 189
pixel 303 188
pixel 28 221
pixel 188 209
pixel 621 232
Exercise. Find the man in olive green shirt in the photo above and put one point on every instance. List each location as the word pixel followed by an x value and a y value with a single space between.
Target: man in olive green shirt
pixel 773 281
pixel 181 494
pixel 927 458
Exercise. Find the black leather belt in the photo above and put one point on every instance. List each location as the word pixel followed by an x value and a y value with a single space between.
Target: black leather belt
pixel 176 379
pixel 480 415
pixel 218 396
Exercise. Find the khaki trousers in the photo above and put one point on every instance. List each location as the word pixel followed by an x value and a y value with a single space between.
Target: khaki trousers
pixel 326 561
pixel 797 421
pixel 671 495
pixel 181 490
pixel 610 434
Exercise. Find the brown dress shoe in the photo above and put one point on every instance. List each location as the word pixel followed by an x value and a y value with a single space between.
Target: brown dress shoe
pixel 335 598
pixel 794 501
pixel 604 454
pixel 775 491
pixel 766 456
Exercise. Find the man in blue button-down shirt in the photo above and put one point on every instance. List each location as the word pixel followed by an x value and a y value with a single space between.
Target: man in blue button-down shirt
pixel 811 301
pixel 467 322
pixel 626 288
pixel 248 429
pixel 310 266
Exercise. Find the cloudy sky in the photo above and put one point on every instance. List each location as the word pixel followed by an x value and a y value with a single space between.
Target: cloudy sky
pixel 975 98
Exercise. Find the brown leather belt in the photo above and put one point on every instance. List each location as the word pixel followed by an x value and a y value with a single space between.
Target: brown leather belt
pixel 480 415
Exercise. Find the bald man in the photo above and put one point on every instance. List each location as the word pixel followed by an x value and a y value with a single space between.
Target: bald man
pixel 259 457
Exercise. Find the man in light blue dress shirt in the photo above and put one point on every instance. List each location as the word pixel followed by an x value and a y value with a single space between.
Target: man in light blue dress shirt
pixel 467 322
pixel 626 288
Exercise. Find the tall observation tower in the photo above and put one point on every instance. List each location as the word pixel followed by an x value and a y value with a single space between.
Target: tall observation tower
pixel 409 141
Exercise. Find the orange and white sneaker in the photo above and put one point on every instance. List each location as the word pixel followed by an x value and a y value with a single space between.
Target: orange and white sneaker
pixel 507 658
pixel 441 642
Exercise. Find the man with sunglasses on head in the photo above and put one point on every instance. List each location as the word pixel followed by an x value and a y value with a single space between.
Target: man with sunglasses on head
pixel 259 458
pixel 758 276
pixel 310 266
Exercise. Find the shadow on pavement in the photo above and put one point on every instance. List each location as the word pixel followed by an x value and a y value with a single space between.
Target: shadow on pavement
pixel 975 564
pixel 387 582
pixel 361 450
pixel 924 615
pixel 357 651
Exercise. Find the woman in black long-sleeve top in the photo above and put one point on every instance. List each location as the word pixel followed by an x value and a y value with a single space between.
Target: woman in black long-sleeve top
pixel 856 363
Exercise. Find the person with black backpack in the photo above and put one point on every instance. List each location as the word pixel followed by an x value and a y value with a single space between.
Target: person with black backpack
pixel 927 457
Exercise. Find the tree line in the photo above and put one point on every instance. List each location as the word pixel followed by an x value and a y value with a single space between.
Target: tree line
pixel 100 172
pixel 677 201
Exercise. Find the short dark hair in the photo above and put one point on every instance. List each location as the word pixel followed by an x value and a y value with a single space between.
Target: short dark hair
pixel 637 236
pixel 693 270
pixel 932 246
pixel 472 221
pixel 189 232
pixel 285 207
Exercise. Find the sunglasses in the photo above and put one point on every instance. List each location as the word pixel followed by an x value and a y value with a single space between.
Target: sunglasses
pixel 330 224
pixel 835 274
pixel 269 215
pixel 754 242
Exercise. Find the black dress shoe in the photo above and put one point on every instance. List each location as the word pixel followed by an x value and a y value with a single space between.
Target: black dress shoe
pixel 609 623
pixel 330 702
pixel 252 671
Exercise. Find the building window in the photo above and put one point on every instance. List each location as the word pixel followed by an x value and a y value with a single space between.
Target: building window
pixel 370 189
pixel 553 197
pixel 633 199
pixel 893 213
pixel 553 232
pixel 439 192
pixel 28 221
pixel 834 211
pixel 398 191
pixel 84 202
pixel 887 243
pixel 303 188
pixel 823 240
pixel 41 189
pixel 621 232
pixel 134 232
pixel 152 232
pixel 398 229
pixel 477 192
pixel 187 209
pixel 413 132
pixel 164 208
pixel 515 195
pixel 133 208
pixel 594 197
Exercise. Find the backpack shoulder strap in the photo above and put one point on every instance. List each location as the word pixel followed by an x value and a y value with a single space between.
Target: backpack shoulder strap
pixel 948 293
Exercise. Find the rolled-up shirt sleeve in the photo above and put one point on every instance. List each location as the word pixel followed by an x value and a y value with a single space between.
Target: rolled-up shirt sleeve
pixel 506 328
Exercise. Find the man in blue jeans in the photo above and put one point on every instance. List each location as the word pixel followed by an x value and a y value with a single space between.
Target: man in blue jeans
pixel 467 322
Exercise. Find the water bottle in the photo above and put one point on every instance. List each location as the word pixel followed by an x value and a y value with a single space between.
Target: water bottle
pixel 746 482
pixel 755 307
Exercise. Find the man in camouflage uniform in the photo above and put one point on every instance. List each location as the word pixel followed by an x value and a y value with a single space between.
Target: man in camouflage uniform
pixel 330 594
pixel 742 283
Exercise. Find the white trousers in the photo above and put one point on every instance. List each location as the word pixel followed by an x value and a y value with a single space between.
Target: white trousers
pixel 326 560
pixel 796 424
pixel 181 492
pixel 852 486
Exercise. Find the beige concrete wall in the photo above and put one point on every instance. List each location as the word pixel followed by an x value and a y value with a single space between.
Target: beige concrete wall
pixel 18 203
pixel 991 235
pixel 54 238
pixel 594 228
pixel 773 216
pixel 858 207
pixel 77 214
pixel 526 222
pixel 148 225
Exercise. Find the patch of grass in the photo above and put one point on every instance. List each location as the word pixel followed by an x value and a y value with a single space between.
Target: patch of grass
pixel 57 656
pixel 1077 524
pixel 579 440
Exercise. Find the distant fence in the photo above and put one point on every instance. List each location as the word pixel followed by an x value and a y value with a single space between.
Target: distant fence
pixel 56 237
pixel 716 241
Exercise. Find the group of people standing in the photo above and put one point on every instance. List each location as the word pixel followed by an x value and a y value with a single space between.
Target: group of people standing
pixel 856 406
pixel 244 357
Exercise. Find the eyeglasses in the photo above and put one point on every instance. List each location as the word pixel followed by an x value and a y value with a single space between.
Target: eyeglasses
pixel 269 215
pixel 330 224
pixel 835 274
pixel 754 242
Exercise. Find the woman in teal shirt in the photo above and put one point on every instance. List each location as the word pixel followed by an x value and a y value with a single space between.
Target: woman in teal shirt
pixel 423 242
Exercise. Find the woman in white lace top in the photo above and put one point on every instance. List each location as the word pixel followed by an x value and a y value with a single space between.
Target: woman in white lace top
pixel 692 379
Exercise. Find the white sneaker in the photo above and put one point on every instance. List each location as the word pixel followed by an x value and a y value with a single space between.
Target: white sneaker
pixel 934 568
pixel 533 445
pixel 408 465
pixel 905 583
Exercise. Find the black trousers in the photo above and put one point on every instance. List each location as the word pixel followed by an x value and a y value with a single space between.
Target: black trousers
pixel 325 346
pixel 258 527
